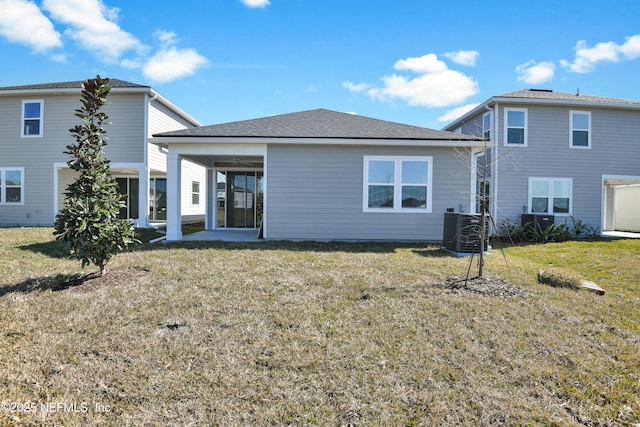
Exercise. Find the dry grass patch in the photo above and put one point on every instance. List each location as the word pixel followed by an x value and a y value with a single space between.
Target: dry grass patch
pixel 315 334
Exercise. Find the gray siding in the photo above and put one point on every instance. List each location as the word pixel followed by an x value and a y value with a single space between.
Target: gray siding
pixel 316 192
pixel 161 119
pixel 38 155
pixel 615 151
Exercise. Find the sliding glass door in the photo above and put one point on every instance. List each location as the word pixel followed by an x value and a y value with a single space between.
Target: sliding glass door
pixel 239 199
pixel 158 199
pixel 130 188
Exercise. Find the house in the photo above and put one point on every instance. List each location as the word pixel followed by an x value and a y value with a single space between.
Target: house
pixel 323 175
pixel 34 133
pixel 561 154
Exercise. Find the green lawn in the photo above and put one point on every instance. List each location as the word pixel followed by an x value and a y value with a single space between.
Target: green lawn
pixel 278 333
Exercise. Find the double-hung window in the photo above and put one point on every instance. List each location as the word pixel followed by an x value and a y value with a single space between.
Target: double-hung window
pixel 580 132
pixel 550 195
pixel 486 126
pixel 11 186
pixel 397 184
pixel 32 124
pixel 515 128
pixel 195 193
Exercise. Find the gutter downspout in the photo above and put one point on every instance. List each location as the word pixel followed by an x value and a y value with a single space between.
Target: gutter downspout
pixel 494 167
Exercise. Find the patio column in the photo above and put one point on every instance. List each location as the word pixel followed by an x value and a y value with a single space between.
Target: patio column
pixel 174 197
pixel 211 200
pixel 143 198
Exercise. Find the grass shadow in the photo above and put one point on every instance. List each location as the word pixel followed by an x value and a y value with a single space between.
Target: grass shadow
pixel 435 252
pixel 52 249
pixel 58 249
pixel 302 246
pixel 59 282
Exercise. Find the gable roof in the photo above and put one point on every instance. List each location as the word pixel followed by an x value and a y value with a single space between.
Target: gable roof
pixel 548 97
pixel 114 83
pixel 317 124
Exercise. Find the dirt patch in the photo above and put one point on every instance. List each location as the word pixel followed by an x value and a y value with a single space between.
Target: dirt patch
pixel 93 281
pixel 486 286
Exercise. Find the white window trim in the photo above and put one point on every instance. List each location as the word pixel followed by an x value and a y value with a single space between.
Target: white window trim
pixel 397 186
pixel 550 202
pixel 571 113
pixel 489 129
pixel 199 192
pixel 41 118
pixel 506 127
pixel 3 186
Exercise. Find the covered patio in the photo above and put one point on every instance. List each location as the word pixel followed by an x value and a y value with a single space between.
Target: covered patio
pixel 249 236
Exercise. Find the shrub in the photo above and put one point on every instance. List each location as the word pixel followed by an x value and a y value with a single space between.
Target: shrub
pixel 553 233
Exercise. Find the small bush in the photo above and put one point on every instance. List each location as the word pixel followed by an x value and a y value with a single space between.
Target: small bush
pixel 553 233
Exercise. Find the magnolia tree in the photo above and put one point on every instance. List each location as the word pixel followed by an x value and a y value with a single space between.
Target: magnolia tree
pixel 88 222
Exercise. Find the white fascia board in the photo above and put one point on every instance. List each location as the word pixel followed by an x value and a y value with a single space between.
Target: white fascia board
pixel 168 141
pixel 219 149
pixel 471 113
pixel 566 102
pixel 29 92
pixel 155 95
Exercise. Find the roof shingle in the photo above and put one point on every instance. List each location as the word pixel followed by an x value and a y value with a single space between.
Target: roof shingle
pixel 114 83
pixel 318 123
pixel 564 96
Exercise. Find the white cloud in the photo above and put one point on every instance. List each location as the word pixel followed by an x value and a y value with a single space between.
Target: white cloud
pixel 22 22
pixel 456 113
pixel 59 57
pixel 359 87
pixel 586 58
pixel 631 48
pixel 535 73
pixel 434 86
pixel 256 3
pixel 172 64
pixel 167 38
pixel 425 64
pixel 93 26
pixel 463 57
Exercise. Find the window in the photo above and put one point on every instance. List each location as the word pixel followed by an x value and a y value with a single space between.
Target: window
pixel 397 184
pixel 550 195
pixel 486 126
pixel 515 130
pixel 32 114
pixel 580 136
pixel 11 186
pixel 195 193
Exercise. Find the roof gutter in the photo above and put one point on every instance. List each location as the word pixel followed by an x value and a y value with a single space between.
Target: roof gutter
pixel 459 121
pixel 578 102
pixel 167 140
pixel 157 96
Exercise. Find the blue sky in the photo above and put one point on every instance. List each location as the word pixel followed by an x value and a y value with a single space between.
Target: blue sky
pixel 411 61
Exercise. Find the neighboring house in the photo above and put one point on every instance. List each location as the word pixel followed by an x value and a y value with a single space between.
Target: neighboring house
pixel 34 133
pixel 561 154
pixel 323 175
